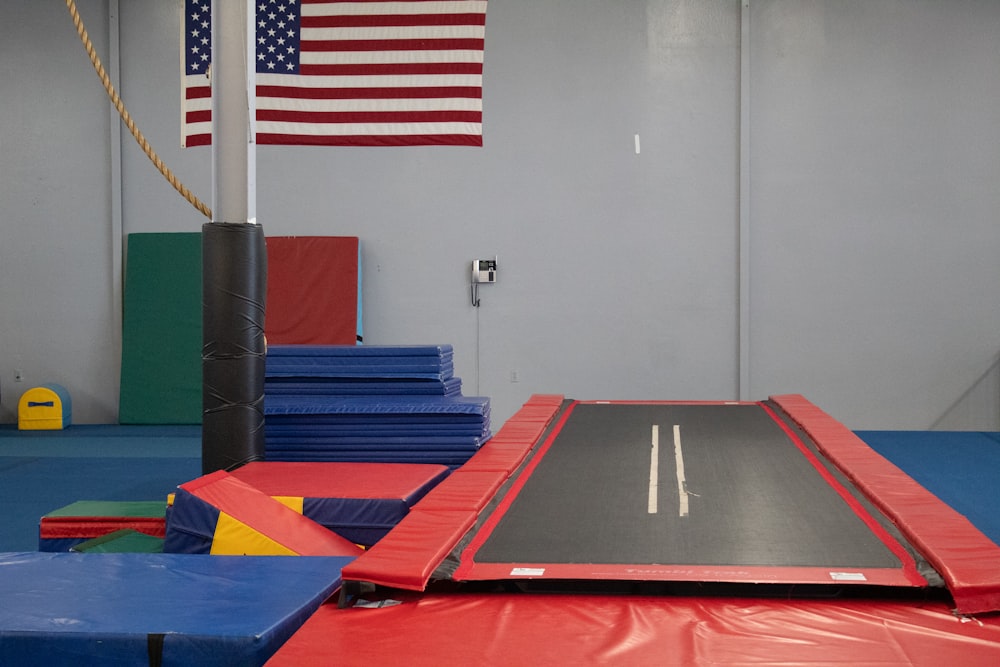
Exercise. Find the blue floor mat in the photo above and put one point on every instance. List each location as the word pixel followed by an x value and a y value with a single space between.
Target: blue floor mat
pixel 170 609
pixel 962 468
pixel 33 487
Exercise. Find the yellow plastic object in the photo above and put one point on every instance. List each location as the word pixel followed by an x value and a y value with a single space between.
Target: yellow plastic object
pixel 44 408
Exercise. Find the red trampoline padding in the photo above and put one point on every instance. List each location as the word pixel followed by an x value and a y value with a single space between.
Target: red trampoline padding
pixel 527 431
pixel 505 451
pixel 267 516
pixel 464 490
pixel 409 554
pixel 966 558
pixel 407 557
pixel 498 457
pixel 528 629
pixel 538 408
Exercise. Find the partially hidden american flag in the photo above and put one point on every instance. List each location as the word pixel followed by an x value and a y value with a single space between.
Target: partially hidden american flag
pixel 350 73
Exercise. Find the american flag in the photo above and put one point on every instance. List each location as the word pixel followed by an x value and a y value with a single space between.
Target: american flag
pixel 351 72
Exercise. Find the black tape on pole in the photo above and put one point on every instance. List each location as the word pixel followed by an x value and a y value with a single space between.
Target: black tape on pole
pixel 234 291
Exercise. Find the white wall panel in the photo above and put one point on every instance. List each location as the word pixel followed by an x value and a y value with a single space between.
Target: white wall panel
pixel 874 153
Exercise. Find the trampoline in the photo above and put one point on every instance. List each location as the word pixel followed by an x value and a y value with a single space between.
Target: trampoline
pixel 655 496
pixel 683 492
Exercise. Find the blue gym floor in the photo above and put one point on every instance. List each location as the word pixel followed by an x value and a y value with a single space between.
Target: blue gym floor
pixel 41 471
pixel 962 468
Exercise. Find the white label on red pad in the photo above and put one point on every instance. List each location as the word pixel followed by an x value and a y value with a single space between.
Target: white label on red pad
pixel 528 572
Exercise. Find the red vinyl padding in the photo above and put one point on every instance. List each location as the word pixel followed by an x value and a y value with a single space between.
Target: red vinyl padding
pixel 968 560
pixel 266 515
pixel 407 557
pixel 533 629
pixel 312 290
pixel 70 527
pixel 464 490
pixel 310 479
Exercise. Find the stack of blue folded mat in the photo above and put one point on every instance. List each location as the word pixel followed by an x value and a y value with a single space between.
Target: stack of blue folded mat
pixel 394 404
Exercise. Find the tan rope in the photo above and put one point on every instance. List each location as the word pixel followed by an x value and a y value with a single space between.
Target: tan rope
pixel 123 112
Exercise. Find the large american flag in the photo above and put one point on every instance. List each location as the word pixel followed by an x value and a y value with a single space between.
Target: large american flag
pixel 351 72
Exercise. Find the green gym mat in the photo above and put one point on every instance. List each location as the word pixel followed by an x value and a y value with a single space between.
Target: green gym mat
pixel 125 541
pixel 161 330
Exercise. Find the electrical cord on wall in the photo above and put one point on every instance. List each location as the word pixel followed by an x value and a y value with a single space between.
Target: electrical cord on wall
pixel 476 304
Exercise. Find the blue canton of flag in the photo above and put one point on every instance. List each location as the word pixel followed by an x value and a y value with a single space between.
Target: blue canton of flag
pixel 278 24
pixel 198 29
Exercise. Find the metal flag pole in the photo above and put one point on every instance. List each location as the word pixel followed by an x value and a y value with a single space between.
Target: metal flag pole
pixel 234 258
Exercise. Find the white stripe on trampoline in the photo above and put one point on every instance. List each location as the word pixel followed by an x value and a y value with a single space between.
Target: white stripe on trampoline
pixel 681 482
pixel 654 465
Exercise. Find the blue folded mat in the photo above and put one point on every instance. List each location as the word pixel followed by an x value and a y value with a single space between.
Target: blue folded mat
pixel 376 405
pixel 304 386
pixel 359 350
pixel 398 404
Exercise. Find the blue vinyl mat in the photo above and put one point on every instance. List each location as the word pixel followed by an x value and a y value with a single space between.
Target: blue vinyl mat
pixel 134 609
pixel 374 430
pixel 345 403
pixel 376 405
pixel 959 467
pixel 301 386
pixel 430 362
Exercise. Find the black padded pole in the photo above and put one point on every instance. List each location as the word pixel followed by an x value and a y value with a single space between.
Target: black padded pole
pixel 234 289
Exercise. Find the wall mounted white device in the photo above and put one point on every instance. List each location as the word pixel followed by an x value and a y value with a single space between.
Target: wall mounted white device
pixel 483 271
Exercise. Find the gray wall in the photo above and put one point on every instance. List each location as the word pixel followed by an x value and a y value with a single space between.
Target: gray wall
pixel 825 224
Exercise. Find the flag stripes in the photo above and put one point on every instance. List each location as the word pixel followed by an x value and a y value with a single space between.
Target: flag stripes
pixel 360 72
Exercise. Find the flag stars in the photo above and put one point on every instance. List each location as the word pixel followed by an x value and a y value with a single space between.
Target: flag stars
pixel 198 31
pixel 277 36
pixel 277 27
